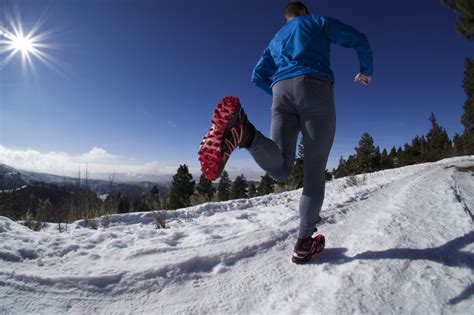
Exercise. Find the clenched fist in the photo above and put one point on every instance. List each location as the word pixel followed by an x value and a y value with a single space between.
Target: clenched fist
pixel 362 79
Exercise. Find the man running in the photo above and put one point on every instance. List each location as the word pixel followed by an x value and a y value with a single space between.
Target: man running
pixel 295 70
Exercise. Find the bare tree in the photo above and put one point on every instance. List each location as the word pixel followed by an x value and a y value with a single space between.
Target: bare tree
pixel 112 182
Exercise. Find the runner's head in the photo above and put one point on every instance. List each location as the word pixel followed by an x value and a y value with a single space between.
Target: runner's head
pixel 294 9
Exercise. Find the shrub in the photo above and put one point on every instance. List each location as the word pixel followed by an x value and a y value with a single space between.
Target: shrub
pixel 159 219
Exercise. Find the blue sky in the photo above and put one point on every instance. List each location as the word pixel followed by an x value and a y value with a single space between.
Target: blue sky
pixel 138 79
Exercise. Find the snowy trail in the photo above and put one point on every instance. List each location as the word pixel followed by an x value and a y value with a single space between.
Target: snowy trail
pixel 402 242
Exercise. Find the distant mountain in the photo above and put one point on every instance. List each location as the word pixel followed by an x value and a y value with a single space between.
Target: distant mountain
pixel 11 178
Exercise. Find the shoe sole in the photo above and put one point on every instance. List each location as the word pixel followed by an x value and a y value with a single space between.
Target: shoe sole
pixel 211 156
pixel 322 243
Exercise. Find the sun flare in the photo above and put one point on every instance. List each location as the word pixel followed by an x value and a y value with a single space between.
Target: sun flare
pixel 23 44
pixel 30 45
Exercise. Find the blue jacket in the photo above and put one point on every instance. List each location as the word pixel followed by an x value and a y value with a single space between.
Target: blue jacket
pixel 302 46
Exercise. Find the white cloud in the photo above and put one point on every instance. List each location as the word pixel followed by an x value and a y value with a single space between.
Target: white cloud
pixel 99 162
pixel 99 155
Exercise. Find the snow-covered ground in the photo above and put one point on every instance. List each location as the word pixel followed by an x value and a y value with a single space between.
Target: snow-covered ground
pixel 401 242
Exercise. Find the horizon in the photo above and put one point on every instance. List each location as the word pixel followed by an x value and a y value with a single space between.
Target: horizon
pixel 130 88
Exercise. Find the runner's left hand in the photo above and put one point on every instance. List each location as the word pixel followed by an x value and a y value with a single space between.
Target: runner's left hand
pixel 362 79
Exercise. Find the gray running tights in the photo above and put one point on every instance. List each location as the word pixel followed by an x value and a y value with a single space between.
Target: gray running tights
pixel 304 103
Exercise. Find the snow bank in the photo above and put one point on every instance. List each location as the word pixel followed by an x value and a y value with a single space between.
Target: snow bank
pixel 401 241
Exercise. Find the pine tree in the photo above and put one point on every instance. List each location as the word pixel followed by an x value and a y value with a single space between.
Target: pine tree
pixel 465 26
pixel 296 180
pixel 182 188
pixel 340 170
pixel 423 150
pixel 448 145
pixel 239 188
pixel 123 203
pixel 301 149
pixel 252 190
pixel 155 191
pixel 366 155
pixel 437 141
pixel 327 175
pixel 393 157
pixel 377 157
pixel 467 118
pixel 468 81
pixel 386 161
pixel 415 152
pixel 417 148
pixel 144 203
pixel 465 21
pixel 346 167
pixel 224 187
pixel 267 185
pixel 351 165
pixel 405 157
pixel 155 197
pixel 457 145
pixel 399 155
pixel 205 188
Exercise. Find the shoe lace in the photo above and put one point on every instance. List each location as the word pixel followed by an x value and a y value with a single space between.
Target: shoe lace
pixel 237 136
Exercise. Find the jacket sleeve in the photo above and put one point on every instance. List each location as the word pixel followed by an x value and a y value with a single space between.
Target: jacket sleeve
pixel 347 36
pixel 263 71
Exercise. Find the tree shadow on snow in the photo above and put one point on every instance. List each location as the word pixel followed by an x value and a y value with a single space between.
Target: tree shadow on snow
pixel 449 254
pixel 464 295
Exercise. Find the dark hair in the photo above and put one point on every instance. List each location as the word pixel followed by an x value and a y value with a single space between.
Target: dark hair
pixel 294 8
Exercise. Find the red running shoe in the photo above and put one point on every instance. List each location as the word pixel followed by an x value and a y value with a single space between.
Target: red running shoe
pixel 306 248
pixel 230 129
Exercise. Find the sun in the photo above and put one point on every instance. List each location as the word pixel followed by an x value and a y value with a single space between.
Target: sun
pixel 23 44
pixel 29 45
